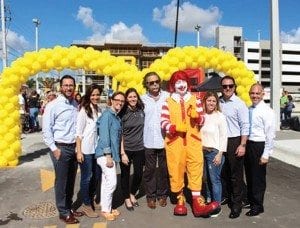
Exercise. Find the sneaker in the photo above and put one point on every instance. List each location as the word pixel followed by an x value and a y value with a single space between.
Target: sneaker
pixel 89 212
pixel 216 212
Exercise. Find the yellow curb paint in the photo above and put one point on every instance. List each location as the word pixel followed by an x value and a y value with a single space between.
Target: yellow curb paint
pixel 50 226
pixel 100 225
pixel 72 226
pixel 47 179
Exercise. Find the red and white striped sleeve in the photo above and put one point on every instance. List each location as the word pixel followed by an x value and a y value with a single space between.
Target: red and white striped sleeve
pixel 199 109
pixel 165 118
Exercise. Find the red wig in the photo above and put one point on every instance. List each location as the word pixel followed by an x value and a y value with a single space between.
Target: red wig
pixel 178 75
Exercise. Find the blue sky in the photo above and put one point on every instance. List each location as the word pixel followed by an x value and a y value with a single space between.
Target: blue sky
pixel 147 21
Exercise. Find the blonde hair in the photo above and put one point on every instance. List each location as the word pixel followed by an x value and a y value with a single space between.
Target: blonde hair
pixel 211 94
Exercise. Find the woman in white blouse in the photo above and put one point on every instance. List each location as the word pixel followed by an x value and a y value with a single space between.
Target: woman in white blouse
pixel 86 138
pixel 214 141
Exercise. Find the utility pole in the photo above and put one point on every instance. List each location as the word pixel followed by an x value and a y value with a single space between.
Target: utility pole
pixel 197 28
pixel 37 22
pixel 275 76
pixel 176 24
pixel 4 51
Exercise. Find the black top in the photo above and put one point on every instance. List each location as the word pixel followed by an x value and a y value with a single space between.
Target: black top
pixel 33 102
pixel 132 129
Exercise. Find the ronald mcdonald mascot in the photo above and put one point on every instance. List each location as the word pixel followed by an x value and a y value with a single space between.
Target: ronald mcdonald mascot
pixel 181 120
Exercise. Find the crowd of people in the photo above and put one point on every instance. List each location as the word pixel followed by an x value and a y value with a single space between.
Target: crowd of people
pixel 166 136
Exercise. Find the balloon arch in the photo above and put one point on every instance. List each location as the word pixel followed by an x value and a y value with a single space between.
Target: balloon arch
pixel 59 58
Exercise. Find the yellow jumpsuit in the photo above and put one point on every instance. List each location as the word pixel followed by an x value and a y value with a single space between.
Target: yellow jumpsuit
pixel 184 150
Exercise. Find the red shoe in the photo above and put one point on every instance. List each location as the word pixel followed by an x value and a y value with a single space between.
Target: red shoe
pixel 200 209
pixel 180 209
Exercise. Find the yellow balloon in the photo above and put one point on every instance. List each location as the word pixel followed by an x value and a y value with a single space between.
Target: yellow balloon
pixel 3 161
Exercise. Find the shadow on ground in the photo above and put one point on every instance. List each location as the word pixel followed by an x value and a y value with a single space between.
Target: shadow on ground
pixel 34 155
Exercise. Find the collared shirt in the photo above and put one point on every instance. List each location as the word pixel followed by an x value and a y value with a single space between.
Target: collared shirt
pixel 59 122
pixel 153 137
pixel 263 127
pixel 109 130
pixel 214 131
pixel 86 130
pixel 237 116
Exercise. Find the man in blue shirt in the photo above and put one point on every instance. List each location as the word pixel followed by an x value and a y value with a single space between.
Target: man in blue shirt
pixel 237 118
pixel 59 121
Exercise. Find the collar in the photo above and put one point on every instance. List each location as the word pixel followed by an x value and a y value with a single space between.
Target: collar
pixel 176 97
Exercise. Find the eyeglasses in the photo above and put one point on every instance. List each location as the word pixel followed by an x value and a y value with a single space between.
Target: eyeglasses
pixel 118 100
pixel 228 86
pixel 153 82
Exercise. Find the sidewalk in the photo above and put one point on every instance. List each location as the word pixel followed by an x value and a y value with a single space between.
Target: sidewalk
pixel 287 147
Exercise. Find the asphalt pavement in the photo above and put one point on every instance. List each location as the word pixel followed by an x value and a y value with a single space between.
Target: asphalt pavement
pixel 27 195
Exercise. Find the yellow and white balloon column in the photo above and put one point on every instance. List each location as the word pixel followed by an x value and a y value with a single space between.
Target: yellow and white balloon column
pixel 127 75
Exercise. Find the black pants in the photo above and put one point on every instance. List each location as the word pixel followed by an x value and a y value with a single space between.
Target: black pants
pixel 232 174
pixel 65 174
pixel 137 158
pixel 156 179
pixel 255 174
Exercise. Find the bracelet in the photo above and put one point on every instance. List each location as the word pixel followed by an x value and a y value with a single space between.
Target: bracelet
pixel 123 154
pixel 243 145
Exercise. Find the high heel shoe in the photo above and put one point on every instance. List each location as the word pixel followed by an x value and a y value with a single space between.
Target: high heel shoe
pixel 129 208
pixel 135 204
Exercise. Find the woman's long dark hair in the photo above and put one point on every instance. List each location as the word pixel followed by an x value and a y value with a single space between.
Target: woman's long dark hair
pixel 86 100
pixel 139 105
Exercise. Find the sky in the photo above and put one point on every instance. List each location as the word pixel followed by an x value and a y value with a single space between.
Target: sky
pixel 64 22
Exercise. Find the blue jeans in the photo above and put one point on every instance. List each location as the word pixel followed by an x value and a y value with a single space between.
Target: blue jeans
pixel 33 113
pixel 213 174
pixel 87 181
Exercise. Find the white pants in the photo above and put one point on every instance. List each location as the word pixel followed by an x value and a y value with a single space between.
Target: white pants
pixel 108 183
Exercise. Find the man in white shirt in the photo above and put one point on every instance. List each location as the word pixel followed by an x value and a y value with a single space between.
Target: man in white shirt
pixel 259 147
pixel 156 186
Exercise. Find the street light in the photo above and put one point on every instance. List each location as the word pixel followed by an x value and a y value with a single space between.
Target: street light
pixel 37 22
pixel 197 28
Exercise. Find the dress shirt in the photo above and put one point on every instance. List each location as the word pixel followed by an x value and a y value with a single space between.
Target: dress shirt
pixel 86 130
pixel 109 130
pixel 59 122
pixel 214 131
pixel 237 116
pixel 153 137
pixel 263 127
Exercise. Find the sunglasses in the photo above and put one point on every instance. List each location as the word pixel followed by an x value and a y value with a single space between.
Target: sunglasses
pixel 153 82
pixel 228 86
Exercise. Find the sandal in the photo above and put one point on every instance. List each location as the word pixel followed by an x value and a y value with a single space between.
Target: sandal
pixel 115 212
pixel 108 216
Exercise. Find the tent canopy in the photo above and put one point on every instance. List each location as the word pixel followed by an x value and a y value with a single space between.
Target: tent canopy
pixel 211 84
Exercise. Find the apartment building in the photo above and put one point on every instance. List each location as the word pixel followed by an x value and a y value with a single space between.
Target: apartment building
pixel 134 53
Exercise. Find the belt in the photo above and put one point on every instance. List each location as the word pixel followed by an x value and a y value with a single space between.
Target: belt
pixel 65 144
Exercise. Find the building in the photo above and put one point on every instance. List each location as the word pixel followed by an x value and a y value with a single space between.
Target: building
pixel 134 53
pixel 256 55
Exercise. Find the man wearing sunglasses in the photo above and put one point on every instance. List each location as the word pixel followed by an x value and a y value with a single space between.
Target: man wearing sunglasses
pixel 237 118
pixel 156 188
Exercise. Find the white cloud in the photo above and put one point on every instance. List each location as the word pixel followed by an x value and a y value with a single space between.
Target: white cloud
pixel 16 44
pixel 190 15
pixel 118 32
pixel 292 36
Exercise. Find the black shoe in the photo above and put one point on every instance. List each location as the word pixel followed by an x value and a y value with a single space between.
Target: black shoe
pixel 224 201
pixel 129 208
pixel 135 204
pixel 235 213
pixel 253 212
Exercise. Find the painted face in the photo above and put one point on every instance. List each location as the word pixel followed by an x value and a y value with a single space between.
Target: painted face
pixel 210 104
pixel 117 102
pixel 132 99
pixel 95 97
pixel 67 88
pixel 256 94
pixel 181 87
